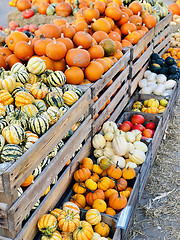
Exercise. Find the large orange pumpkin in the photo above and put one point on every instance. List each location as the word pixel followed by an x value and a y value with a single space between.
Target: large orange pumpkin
pixel 94 71
pixel 174 8
pixel 81 26
pixel 23 50
pixel 74 75
pixel 14 38
pixel 63 9
pixel 150 21
pixel 23 5
pixel 50 31
pixel 135 7
pixel 113 12
pixel 82 39
pixel 137 20
pixel 60 65
pixel 56 50
pixel 42 8
pixel 128 27
pixel 99 36
pixel 5 52
pixel 96 52
pixel 78 57
pixel 103 63
pixel 40 45
pixel 11 60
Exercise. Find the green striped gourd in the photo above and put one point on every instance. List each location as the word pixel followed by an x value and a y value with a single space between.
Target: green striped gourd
pixel 164 11
pixel 56 89
pixel 45 162
pixel 9 108
pixel 19 89
pixel 56 79
pixel 45 74
pixel 127 2
pixel 32 78
pixel 2 142
pixel 78 91
pixel 67 87
pixel 19 191
pixel 18 117
pixel 11 152
pixel 160 2
pixel 36 65
pixel 38 124
pixel 22 77
pixel 53 153
pixel 54 180
pixel 23 98
pixel 3 123
pixel 54 99
pixel 156 15
pixel 30 139
pixel 2 110
pixel 81 119
pixel 30 110
pixel 40 104
pixel 37 171
pixel 18 67
pixel 152 2
pixel 64 109
pixel 146 7
pixel 13 133
pixel 8 83
pixel 70 97
pixel 157 9
pixel 52 114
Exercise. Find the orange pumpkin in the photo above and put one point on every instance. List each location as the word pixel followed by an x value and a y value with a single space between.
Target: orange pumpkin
pixel 110 211
pixel 96 52
pixel 124 19
pixel 78 58
pixel 92 196
pixel 114 36
pixel 74 75
pixel 94 71
pixel 109 192
pixel 81 26
pixel 101 25
pixel 67 42
pixel 137 20
pixel 128 27
pixel 100 6
pixel 79 200
pixel 49 63
pixel 103 63
pixel 63 9
pixel 99 36
pixel 59 22
pixel 68 31
pixel 14 38
pixel 150 21
pixel 28 181
pixel 23 50
pixel 82 39
pixel 50 31
pixel 60 65
pixel 174 8
pixel 11 60
pixel 144 29
pixel 23 5
pixel 56 50
pixel 133 37
pixel 127 10
pixel 113 12
pixel 82 174
pixel 91 13
pixel 40 45
pixel 5 52
pixel 117 201
pixel 111 22
pixel 121 184
pixel 2 62
pixel 43 7
pixel 135 7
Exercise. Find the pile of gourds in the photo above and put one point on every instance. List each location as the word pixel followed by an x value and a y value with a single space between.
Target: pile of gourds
pixel 66 223
pixel 175 42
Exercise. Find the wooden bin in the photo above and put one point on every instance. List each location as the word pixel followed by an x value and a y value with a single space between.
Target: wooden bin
pixel 12 177
pixel 116 92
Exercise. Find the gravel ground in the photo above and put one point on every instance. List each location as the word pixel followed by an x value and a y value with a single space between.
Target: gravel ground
pixel 158 215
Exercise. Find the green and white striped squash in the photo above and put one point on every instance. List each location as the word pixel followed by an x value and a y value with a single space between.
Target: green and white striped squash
pixel 30 139
pixel 18 67
pixel 60 144
pixel 36 65
pixel 40 104
pixel 55 180
pixel 9 108
pixel 45 74
pixel 36 205
pixel 19 192
pixel 146 7
pixel 56 79
pixel 19 89
pixel 30 110
pixel 53 153
pixel 13 134
pixel 152 2
pixel 164 11
pixel 78 91
pixel 81 119
pixel 33 78
pixel 18 117
pixel 160 2
pixel 3 123
pixel 37 171
pixel 38 124
pixel 45 162
pixel 52 114
pixel 11 152
pixel 8 83
pixel 22 77
pixel 54 99
pixel 67 87
pixel 64 109
pixel 56 89
pixel 2 142
pixel 70 97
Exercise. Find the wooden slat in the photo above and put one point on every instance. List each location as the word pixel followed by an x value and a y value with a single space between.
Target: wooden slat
pixel 3 215
pixel 110 108
pixel 22 168
pixel 110 91
pixel 164 50
pixel 160 36
pixel 5 233
pixel 136 80
pixel 30 229
pixel 36 190
pixel 140 62
pixel 162 45
pixel 161 24
pixel 139 47
pixel 101 83
pixel 1 183
pixel 4 238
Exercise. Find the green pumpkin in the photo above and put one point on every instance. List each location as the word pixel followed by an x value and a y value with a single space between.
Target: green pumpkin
pixel 163 70
pixel 9 108
pixel 18 67
pixel 18 117
pixel 170 61
pixel 173 69
pixel 13 134
pixel 56 79
pixel 109 47
pixel 11 152
pixel 3 123
pixel 50 10
pixel 146 7
pixel 2 142
pixel 38 124
pixel 160 2
pixel 40 104
pixel 54 99
pixel 22 77
pixel 160 61
pixel 156 68
pixel 154 56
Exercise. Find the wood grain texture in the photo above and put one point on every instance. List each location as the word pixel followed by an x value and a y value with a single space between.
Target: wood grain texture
pixel 162 24
pixel 162 45
pixel 3 215
pixel 162 34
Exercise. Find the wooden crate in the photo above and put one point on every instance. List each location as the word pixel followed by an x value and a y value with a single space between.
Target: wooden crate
pixel 163 46
pixel 162 24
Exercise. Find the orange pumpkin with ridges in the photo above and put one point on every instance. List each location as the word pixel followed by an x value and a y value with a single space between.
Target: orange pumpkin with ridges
pixel 91 13
pixel 68 30
pixel 5 52
pixel 74 75
pixel 128 27
pixel 113 12
pixel 14 38
pixel 63 9
pixel 100 6
pixel 96 52
pixel 94 71
pixel 78 57
pixel 56 50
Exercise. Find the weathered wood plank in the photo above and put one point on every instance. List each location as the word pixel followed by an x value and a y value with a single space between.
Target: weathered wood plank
pixel 110 91
pixel 164 50
pixel 20 170
pixel 162 45
pixel 101 83
pixel 30 229
pixel 36 190
pixel 140 62
pixel 3 215
pixel 161 24
pixel 160 36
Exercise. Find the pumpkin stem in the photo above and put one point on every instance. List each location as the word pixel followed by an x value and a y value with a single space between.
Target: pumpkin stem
pixel 54 41
pixel 19 111
pixel 117 164
pixel 117 188
pixel 94 20
pixel 62 35
pixel 42 36
pixel 67 25
pixel 68 67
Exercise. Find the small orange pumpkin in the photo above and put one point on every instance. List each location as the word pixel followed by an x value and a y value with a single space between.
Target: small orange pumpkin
pixel 74 75
pixel 94 71
pixel 28 181
pixel 56 50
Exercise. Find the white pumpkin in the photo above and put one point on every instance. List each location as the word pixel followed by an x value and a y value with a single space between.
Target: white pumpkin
pixel 146 90
pixel 152 77
pixel 170 84
pixel 119 133
pixel 98 141
pixel 137 156
pixel 109 126
pixel 98 153
pixel 140 145
pixel 130 137
pixel 120 146
pixel 95 236
pixel 161 78
pixel 137 134
pixel 109 136
pixel 99 159
pixel 143 83
pixel 167 93
pixel 108 145
pixel 108 152
pixel 152 85
pixel 159 90
pixel 146 73
pixel 121 161
pixel 129 149
pixel 131 165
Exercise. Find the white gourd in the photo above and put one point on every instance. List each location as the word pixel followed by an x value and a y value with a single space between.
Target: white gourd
pixel 137 156
pixel 152 77
pixel 152 85
pixel 121 161
pixel 95 236
pixel 146 90
pixel 161 78
pixel 140 145
pixel 98 153
pixel 146 73
pixel 98 141
pixel 119 133
pixel 109 126
pixel 109 136
pixel 143 83
pixel 129 149
pixel 108 152
pixel 167 93
pixel 159 90
pixel 137 134
pixel 108 145
pixel 120 146
pixel 131 165
pixel 130 137
pixel 170 84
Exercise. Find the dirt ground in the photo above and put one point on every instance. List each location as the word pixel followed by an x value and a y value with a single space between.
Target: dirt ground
pixel 158 215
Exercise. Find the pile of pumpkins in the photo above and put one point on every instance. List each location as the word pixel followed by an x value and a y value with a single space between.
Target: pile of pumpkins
pixel 86 48
pixel 29 104
pixel 66 223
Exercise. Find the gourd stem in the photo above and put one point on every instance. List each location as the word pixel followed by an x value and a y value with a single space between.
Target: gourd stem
pixel 117 189
pixel 117 164
pixel 19 111
pixel 85 187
